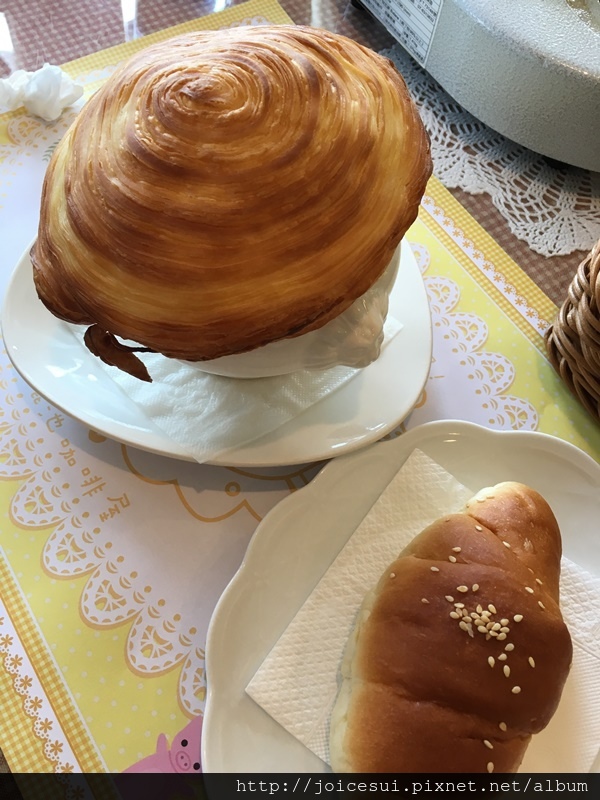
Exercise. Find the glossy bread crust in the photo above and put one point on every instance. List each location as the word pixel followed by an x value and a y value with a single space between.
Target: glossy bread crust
pixel 226 189
pixel 460 653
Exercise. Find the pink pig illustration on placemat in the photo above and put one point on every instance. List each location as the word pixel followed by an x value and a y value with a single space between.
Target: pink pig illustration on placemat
pixel 183 755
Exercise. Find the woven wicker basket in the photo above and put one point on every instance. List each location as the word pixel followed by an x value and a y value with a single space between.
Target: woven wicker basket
pixel 573 340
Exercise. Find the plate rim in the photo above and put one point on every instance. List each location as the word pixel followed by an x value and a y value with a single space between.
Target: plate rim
pixel 410 440
pixel 157 443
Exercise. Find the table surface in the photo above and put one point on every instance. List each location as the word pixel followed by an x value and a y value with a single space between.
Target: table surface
pixel 62 31
pixel 106 648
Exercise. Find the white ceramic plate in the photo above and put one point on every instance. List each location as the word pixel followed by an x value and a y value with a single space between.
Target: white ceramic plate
pixel 301 536
pixel 50 359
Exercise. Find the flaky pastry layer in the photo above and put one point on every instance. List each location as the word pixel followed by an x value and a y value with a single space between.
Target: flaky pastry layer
pixel 226 189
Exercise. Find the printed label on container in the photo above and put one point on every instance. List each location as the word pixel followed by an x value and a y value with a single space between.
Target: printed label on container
pixel 412 22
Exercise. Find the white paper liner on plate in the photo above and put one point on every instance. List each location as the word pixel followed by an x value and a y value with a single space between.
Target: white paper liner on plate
pixel 208 415
pixel 298 681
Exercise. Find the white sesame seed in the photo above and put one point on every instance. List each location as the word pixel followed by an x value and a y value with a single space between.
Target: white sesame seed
pixel 425 600
pixel 474 615
pixel 518 617
pixel 506 544
pixel 501 636
pixel 506 671
pixel 456 549
pixel 540 604
pixel 504 629
pixel 486 614
pixel 454 615
pixel 452 559
pixel 502 657
pixel 489 624
pixel 492 608
pixel 516 689
pixel 491 661
pixel 502 726
pixel 537 580
pixel 488 744
pixel 475 587
pixel 479 609
pixel 449 598
pixel 510 646
pixel 531 662
pixel 462 588
pixel 529 589
pixel 434 569
pixel 459 605
pixel 496 626
pixel 490 766
pixel 392 574
pixel 504 621
pixel 463 625
pixel 493 633
pixel 478 528
pixel 482 629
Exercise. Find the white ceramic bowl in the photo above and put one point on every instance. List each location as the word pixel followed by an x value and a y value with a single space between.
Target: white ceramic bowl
pixel 353 339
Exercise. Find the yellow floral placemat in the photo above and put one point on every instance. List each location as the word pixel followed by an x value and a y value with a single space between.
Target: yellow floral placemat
pixel 489 319
pixel 111 559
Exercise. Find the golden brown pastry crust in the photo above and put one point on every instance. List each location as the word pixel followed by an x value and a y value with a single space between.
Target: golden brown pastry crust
pixel 431 686
pixel 225 189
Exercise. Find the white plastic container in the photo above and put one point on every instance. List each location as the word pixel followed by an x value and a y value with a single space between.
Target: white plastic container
pixel 530 69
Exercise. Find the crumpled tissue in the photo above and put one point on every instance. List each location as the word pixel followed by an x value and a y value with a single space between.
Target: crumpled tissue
pixel 298 681
pixel 209 415
pixel 44 93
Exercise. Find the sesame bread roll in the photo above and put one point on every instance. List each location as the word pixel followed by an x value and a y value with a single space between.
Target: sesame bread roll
pixel 460 653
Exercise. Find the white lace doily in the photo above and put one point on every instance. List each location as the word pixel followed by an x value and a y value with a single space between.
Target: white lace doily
pixel 554 208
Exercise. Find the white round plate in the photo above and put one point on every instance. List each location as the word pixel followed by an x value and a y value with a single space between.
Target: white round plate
pixel 297 541
pixel 52 361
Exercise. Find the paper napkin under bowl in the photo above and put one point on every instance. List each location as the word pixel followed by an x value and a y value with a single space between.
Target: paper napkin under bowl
pixel 208 415
pixel 298 681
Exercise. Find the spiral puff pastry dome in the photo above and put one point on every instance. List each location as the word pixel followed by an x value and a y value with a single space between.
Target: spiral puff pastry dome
pixel 226 189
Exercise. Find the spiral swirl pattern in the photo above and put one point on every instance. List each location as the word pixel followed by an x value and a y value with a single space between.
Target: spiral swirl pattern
pixel 226 189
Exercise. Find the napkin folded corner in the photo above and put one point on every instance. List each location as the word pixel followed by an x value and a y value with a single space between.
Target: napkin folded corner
pixel 298 682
